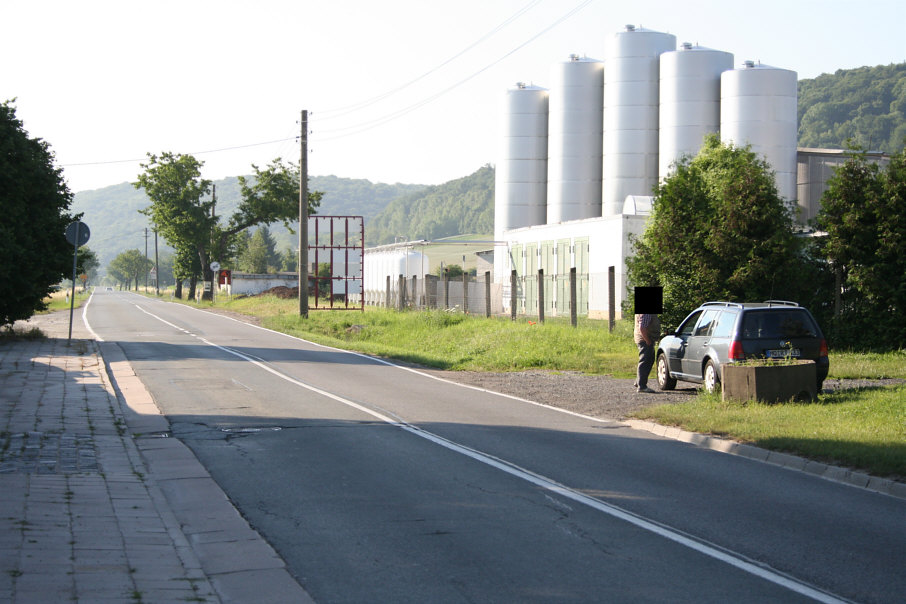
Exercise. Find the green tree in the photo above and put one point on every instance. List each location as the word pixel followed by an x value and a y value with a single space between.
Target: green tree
pixel 718 231
pixel 454 271
pixel 461 206
pixel 258 254
pixel 864 215
pixel 165 270
pixel 87 263
pixel 186 266
pixel 174 185
pixel 289 260
pixel 115 274
pixel 35 200
pixel 130 266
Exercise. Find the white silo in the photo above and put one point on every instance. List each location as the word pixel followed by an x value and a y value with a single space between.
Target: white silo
pixel 690 101
pixel 631 101
pixel 520 197
pixel 574 140
pixel 758 108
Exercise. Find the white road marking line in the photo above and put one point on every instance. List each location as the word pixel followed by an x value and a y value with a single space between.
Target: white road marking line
pixel 97 338
pixel 708 549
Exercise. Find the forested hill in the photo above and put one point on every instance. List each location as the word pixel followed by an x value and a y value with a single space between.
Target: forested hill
pixel 112 213
pixel 867 104
pixel 461 206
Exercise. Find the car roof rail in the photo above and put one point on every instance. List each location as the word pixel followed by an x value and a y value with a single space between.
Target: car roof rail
pixel 723 304
pixel 781 302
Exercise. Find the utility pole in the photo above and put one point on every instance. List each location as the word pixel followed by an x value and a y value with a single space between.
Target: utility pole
pixel 303 218
pixel 205 269
pixel 156 267
pixel 146 257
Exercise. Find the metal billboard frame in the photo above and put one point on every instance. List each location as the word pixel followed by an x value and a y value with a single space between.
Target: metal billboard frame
pixel 340 242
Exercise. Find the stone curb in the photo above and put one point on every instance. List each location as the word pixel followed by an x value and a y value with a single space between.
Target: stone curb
pixel 240 565
pixel 852 478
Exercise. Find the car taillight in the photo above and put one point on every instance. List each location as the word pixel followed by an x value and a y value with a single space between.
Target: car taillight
pixel 736 353
pixel 822 352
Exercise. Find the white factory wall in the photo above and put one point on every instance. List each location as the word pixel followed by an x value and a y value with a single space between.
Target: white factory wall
pixel 607 244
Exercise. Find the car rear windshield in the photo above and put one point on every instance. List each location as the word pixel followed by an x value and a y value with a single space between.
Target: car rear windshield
pixel 778 324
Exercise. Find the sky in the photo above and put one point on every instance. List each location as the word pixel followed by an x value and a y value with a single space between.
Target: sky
pixel 406 91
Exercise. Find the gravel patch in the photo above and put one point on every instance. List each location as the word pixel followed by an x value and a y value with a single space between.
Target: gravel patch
pixel 600 395
pixel 594 395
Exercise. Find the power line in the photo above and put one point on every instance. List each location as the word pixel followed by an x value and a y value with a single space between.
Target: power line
pixel 363 127
pixel 233 148
pixel 341 111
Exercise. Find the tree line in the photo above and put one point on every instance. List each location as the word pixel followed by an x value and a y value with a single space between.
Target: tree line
pixel 183 210
pixel 719 231
pixel 464 205
pixel 866 105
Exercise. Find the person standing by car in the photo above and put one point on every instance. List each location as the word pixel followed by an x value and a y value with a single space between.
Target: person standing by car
pixel 647 331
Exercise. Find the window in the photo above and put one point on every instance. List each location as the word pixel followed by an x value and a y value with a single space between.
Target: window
pixel 778 324
pixel 706 323
pixel 724 326
pixel 686 328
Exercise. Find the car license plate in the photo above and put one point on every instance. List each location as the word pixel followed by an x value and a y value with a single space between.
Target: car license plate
pixel 783 352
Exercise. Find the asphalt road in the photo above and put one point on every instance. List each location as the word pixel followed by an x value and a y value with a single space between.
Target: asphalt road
pixel 380 484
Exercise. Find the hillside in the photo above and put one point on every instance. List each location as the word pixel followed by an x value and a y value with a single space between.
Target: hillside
pixel 465 205
pixel 867 104
pixel 116 225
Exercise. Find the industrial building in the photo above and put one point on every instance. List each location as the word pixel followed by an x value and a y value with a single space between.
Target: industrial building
pixel 561 145
pixel 579 160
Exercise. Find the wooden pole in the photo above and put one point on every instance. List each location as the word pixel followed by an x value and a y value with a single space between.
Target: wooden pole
pixel 303 218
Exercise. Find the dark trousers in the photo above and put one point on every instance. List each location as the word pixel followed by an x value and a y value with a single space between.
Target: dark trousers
pixel 646 362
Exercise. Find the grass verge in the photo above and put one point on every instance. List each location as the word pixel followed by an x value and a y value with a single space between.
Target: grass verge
pixel 455 341
pixel 869 365
pixel 859 428
pixel 60 300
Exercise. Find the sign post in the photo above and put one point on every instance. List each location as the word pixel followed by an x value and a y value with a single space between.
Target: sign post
pixel 215 266
pixel 77 233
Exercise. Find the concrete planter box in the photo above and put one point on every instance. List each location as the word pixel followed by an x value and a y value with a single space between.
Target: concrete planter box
pixel 769 382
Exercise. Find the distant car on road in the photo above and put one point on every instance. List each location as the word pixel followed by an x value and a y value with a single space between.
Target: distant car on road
pixel 716 333
pixel 109 289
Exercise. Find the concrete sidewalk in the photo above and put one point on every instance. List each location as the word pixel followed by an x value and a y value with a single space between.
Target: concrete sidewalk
pixel 97 503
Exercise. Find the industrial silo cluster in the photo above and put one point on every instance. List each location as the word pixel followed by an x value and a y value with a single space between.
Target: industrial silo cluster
pixel 608 131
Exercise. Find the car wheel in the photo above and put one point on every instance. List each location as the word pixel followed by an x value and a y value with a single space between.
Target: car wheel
pixel 664 381
pixel 710 377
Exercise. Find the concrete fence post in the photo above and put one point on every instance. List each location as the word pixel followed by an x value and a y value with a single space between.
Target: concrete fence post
pixel 611 296
pixel 573 298
pixel 487 293
pixel 513 291
pixel 541 295
pixel 465 291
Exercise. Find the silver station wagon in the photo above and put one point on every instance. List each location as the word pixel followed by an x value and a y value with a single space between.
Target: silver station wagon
pixel 725 332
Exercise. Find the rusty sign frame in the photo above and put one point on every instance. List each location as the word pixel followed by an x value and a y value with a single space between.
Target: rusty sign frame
pixel 335 237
